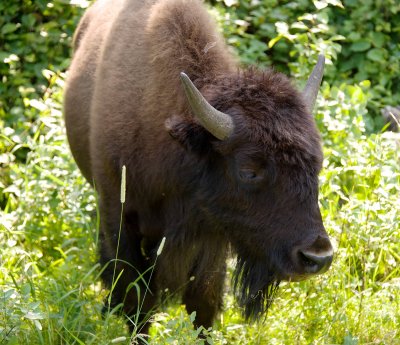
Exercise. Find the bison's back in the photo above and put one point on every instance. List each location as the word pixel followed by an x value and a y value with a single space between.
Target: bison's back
pixel 94 40
pixel 124 82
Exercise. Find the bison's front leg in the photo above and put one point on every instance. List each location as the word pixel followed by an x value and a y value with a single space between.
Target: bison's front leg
pixel 120 251
pixel 204 294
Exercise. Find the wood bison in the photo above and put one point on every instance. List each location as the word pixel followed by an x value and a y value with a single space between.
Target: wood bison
pixel 216 156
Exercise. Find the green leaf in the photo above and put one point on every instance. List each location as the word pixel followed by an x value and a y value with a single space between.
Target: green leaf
pixel 230 3
pixel 272 42
pixel 336 3
pixel 38 325
pixel 31 315
pixel 29 20
pixel 8 28
pixel 360 46
pixel 192 316
pixel 3 55
pixel 6 295
pixel 377 55
pixel 26 289
pixel 299 25
pixel 320 4
pixel 378 39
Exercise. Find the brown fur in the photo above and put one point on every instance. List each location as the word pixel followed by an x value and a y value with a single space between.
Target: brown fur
pixel 124 105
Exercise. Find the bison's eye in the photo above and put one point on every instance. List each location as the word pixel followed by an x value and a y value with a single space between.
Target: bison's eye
pixel 250 175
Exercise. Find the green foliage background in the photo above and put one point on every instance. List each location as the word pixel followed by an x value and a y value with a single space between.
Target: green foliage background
pixel 50 291
pixel 360 37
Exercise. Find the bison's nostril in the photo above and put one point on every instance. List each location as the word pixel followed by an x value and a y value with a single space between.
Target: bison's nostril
pixel 315 263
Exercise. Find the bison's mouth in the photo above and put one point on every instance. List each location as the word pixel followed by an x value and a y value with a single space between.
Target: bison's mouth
pixel 256 282
pixel 256 278
pixel 255 287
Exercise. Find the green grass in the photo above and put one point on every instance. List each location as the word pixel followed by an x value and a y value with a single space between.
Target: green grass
pixel 51 293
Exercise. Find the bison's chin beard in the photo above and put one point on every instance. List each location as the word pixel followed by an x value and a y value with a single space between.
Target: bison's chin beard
pixel 255 285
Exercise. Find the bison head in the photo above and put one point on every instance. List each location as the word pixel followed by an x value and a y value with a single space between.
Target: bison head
pixel 258 184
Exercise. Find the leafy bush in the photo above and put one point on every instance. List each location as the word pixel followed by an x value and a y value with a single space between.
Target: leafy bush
pixel 362 38
pixel 34 36
pixel 371 50
pixel 35 40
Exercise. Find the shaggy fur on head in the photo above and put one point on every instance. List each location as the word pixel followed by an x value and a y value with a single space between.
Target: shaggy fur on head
pixel 255 191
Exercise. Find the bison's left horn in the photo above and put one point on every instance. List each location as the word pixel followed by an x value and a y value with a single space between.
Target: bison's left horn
pixel 310 91
pixel 217 123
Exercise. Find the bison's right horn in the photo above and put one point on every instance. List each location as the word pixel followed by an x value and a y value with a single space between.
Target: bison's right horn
pixel 217 123
pixel 310 91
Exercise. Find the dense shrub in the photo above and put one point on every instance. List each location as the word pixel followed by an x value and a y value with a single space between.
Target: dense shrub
pixel 35 40
pixel 361 38
pixel 34 36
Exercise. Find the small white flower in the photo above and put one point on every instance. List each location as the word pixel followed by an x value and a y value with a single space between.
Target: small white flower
pixel 160 248
pixel 123 184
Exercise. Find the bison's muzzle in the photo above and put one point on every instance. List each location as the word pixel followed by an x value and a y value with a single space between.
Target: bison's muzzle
pixel 314 259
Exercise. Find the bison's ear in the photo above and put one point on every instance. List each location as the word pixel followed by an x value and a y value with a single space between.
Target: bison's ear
pixel 190 135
